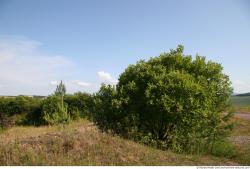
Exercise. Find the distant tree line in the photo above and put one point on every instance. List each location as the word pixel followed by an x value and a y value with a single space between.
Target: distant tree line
pixel 243 94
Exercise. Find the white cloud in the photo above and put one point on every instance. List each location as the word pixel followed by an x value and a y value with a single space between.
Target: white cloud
pixel 25 69
pixel 81 83
pixel 54 82
pixel 106 77
pixel 241 86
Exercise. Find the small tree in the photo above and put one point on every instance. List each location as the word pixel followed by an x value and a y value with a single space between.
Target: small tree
pixel 54 110
pixel 60 89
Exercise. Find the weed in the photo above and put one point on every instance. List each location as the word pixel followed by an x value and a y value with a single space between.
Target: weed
pixel 224 148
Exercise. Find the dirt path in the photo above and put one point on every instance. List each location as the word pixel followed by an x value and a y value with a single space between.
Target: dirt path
pixel 240 139
pixel 243 115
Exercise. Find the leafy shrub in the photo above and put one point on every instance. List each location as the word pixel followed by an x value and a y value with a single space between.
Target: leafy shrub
pixel 17 105
pixel 175 99
pixel 104 113
pixel 74 113
pixel 79 104
pixel 54 111
pixel 34 117
pixel 58 108
pixel 34 114
pixel 20 110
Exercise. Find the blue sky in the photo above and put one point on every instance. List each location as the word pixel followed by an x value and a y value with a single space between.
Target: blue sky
pixel 86 42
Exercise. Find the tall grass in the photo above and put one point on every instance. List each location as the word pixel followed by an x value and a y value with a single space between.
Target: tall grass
pixel 80 143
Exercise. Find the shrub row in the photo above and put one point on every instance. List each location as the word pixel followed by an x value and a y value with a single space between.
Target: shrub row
pixel 23 110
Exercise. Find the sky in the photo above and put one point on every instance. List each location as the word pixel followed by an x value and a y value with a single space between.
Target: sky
pixel 89 42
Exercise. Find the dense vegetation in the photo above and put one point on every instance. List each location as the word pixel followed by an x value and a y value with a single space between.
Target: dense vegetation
pixel 54 109
pixel 19 110
pixel 171 101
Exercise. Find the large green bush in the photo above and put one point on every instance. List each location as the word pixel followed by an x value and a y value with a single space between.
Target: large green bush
pixel 173 99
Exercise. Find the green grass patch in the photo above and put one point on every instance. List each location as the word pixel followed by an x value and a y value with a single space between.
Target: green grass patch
pixel 243 154
pixel 224 148
pixel 240 101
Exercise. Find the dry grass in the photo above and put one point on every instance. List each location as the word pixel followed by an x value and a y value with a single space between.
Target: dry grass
pixel 80 143
pixel 242 127
pixel 20 132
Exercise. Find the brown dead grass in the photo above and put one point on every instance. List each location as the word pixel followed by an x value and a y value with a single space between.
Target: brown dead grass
pixel 80 143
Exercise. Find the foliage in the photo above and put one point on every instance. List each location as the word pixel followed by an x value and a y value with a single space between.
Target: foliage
pixel 53 108
pixel 173 98
pixel 224 148
pixel 104 112
pixel 60 89
pixel 53 112
pixel 59 107
pixel 79 105
pixel 19 110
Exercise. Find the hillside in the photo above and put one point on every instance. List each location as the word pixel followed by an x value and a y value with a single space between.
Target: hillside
pixel 244 94
pixel 80 143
